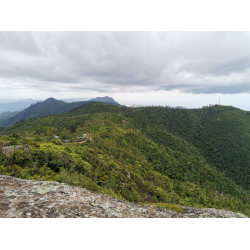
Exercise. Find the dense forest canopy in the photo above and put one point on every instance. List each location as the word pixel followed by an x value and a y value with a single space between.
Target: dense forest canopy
pixel 220 133
pixel 160 155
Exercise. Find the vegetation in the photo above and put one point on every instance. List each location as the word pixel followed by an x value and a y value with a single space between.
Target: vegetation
pixel 220 134
pixel 7 114
pixel 148 155
pixel 48 107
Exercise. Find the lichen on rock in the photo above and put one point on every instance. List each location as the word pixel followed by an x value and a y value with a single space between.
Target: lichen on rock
pixel 43 199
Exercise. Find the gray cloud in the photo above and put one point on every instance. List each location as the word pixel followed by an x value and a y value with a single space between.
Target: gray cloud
pixel 193 62
pixel 19 42
pixel 206 89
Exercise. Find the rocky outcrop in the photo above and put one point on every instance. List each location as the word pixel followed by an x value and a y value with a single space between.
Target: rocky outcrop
pixel 25 198
pixel 10 149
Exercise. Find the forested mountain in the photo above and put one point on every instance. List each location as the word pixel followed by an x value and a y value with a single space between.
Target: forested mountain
pixel 106 99
pixel 220 133
pixel 8 114
pixel 47 107
pixel 156 155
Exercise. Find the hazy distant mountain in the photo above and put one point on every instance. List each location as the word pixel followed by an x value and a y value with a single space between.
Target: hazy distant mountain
pixel 47 107
pixel 8 114
pixel 105 99
pixel 50 106
pixel 77 99
pixel 15 106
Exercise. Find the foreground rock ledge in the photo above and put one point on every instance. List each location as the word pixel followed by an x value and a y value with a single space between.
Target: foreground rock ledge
pixel 42 199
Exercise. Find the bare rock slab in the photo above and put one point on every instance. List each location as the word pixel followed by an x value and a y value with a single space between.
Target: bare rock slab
pixel 11 149
pixel 42 199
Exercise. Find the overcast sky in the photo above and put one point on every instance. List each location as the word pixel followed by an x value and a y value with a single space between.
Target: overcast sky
pixel 189 69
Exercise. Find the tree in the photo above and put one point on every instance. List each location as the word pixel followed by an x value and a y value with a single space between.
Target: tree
pixel 65 134
pixel 51 132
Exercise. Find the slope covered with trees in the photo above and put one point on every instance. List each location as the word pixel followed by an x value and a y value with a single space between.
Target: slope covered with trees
pixel 133 153
pixel 221 134
pixel 8 114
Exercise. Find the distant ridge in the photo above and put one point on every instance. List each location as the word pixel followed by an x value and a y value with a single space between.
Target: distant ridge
pixel 48 107
pixel 76 99
pixel 16 106
pixel 105 99
pixel 8 114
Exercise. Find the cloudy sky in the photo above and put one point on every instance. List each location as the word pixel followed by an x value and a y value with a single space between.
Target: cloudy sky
pixel 190 69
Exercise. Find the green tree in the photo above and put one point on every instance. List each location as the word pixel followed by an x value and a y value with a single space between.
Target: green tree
pixel 65 134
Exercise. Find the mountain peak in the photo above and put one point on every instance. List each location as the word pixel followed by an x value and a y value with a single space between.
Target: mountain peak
pixel 104 99
pixel 52 100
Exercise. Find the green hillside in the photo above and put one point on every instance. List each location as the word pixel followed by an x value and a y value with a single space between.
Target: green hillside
pixel 7 114
pixel 221 134
pixel 134 153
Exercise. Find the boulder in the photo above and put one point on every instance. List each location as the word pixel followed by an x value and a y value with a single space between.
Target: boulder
pixel 10 149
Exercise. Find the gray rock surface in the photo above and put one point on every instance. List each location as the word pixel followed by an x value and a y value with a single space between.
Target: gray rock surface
pixel 33 199
pixel 10 149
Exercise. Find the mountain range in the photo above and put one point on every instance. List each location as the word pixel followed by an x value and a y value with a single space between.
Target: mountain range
pixel 16 106
pixel 23 104
pixel 47 107
pixel 8 114
pixel 159 155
